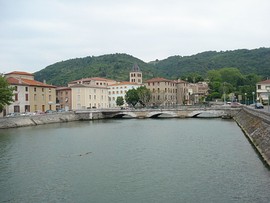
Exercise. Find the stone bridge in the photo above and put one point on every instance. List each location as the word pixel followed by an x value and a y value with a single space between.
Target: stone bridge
pixel 155 113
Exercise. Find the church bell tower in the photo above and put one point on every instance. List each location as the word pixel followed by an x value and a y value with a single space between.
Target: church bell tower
pixel 135 74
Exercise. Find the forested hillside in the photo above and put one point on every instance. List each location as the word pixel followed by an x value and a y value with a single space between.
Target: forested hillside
pixel 117 66
pixel 255 61
pixel 112 66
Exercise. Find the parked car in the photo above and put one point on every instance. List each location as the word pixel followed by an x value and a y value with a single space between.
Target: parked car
pixel 12 114
pixel 258 105
pixel 50 111
pixel 235 104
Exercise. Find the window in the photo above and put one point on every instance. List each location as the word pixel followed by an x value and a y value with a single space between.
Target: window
pixel 26 97
pixel 27 108
pixel 35 89
pixel 42 89
pixel 16 97
pixel 50 97
pixel 259 87
pixel 43 97
pixel 26 89
pixel 35 97
pixel 17 109
pixel 16 88
pixel 89 96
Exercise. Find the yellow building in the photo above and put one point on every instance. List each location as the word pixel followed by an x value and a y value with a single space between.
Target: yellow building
pixel 89 93
pixel 30 95
pixel 163 91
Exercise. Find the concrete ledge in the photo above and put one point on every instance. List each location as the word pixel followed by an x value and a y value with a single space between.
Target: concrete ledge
pixel 21 121
pixel 255 125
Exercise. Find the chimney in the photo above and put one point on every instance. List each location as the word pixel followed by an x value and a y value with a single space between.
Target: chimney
pixel 44 81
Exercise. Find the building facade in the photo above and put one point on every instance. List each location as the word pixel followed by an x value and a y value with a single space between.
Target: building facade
pixel 263 91
pixel 63 98
pixel 163 91
pixel 30 95
pixel 120 89
pixel 90 93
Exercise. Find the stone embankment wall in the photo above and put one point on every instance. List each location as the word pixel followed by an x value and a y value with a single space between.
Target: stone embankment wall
pixel 22 121
pixel 256 125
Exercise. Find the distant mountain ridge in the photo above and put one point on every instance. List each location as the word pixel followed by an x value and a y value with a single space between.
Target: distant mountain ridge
pixel 117 66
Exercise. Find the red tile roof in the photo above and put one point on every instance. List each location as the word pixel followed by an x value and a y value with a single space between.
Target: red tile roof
pixel 124 83
pixel 23 81
pixel 158 80
pixel 63 88
pixel 89 79
pixel 101 79
pixel 264 82
pixel 19 73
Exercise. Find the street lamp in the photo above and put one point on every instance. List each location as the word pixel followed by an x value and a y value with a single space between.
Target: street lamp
pixel 268 89
pixel 253 93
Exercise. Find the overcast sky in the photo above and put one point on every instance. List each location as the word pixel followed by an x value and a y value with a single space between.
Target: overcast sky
pixel 38 33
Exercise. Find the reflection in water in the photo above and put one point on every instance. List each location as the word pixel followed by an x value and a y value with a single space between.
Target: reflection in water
pixel 149 160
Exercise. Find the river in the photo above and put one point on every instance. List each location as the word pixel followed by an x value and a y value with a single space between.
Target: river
pixel 131 160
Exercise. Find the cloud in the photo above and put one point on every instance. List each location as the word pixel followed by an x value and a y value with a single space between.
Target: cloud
pixel 35 34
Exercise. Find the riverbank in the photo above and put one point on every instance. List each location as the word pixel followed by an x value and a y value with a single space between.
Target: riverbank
pixel 256 126
pixel 23 121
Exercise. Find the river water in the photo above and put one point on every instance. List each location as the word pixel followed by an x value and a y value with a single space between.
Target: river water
pixel 131 160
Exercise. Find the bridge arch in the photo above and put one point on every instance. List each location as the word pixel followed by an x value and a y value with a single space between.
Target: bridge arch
pixel 161 113
pixel 124 114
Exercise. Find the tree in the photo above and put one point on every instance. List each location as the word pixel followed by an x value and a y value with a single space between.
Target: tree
pixel 144 95
pixel 132 97
pixel 6 93
pixel 119 101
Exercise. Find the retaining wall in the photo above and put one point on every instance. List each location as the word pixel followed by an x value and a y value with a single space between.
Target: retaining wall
pixel 256 125
pixel 21 121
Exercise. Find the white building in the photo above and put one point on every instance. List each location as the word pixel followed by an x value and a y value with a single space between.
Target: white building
pixel 263 91
pixel 119 90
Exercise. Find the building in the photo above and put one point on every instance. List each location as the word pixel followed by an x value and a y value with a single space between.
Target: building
pixel 119 89
pixel 135 74
pixel 196 92
pixel 63 98
pixel 89 93
pixel 163 91
pixel 30 95
pixel 182 96
pixel 263 91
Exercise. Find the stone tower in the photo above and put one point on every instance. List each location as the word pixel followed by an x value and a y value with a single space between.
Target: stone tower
pixel 135 74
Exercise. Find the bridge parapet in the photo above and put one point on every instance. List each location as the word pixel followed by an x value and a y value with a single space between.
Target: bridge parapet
pixel 153 113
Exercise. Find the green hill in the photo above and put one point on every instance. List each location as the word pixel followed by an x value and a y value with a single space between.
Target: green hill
pixel 112 66
pixel 117 66
pixel 247 61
